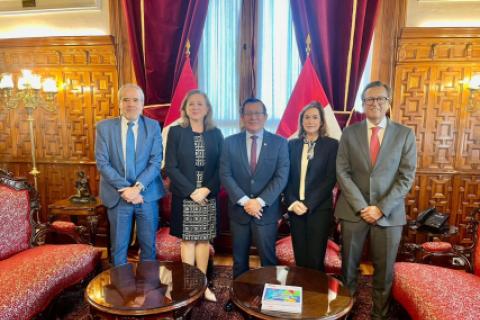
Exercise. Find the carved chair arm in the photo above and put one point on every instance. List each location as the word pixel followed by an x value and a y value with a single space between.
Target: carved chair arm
pixel 60 232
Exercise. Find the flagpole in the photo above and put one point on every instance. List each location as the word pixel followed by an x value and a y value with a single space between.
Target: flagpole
pixel 308 42
pixel 187 48
pixel 349 117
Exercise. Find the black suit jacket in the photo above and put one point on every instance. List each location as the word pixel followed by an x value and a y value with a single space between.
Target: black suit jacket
pixel 320 178
pixel 180 160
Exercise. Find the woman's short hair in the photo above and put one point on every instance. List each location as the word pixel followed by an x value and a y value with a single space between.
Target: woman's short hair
pixel 207 121
pixel 322 131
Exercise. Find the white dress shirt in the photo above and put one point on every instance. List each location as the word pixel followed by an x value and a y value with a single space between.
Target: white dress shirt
pixel 381 132
pixel 248 145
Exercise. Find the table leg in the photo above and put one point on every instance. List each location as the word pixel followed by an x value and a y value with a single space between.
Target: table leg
pixel 93 225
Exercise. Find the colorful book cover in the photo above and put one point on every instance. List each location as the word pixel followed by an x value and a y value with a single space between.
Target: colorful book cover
pixel 282 298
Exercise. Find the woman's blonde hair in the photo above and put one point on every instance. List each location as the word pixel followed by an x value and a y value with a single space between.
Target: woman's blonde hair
pixel 207 121
pixel 322 131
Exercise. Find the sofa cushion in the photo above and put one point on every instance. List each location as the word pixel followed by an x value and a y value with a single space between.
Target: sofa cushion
pixel 436 293
pixel 285 256
pixel 32 278
pixel 168 246
pixel 15 228
pixel 437 246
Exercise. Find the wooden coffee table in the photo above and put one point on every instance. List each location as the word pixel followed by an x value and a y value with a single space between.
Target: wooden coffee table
pixel 324 297
pixel 149 289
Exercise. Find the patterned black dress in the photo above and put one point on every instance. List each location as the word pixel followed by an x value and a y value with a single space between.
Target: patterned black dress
pixel 199 221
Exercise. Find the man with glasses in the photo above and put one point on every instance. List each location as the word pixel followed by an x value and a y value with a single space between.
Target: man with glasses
pixel 376 165
pixel 254 170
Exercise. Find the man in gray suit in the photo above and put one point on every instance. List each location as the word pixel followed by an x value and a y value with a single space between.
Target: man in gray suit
pixel 254 169
pixel 376 164
pixel 128 151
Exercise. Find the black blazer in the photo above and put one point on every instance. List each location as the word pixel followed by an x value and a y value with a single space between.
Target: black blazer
pixel 180 160
pixel 320 178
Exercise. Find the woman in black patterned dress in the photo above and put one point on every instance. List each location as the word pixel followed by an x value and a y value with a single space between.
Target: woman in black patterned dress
pixel 191 162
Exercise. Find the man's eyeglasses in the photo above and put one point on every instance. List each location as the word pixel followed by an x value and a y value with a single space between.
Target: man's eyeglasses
pixel 253 114
pixel 380 100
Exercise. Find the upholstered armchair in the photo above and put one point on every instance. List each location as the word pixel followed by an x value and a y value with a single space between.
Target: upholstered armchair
pixel 432 292
pixel 32 273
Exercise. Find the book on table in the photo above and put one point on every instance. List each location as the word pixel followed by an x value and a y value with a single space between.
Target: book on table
pixel 282 298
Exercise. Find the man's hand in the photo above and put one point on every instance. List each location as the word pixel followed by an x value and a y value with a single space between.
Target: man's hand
pixel 130 194
pixel 253 208
pixel 371 214
pixel 138 200
pixel 299 208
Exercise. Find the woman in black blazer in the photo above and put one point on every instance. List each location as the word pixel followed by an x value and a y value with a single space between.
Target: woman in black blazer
pixel 309 190
pixel 191 162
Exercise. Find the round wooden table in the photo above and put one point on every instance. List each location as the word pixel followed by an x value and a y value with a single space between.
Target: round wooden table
pixel 149 289
pixel 324 297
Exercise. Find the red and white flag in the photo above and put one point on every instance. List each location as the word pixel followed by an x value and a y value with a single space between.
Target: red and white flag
pixel 186 83
pixel 307 89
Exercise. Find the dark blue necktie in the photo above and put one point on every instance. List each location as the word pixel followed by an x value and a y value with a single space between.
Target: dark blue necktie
pixel 130 154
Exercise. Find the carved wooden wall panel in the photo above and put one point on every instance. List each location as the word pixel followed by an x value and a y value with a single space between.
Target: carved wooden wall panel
pixel 85 70
pixel 431 97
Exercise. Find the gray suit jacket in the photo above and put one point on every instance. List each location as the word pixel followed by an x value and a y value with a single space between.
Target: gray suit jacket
pixel 384 185
pixel 267 182
pixel 111 165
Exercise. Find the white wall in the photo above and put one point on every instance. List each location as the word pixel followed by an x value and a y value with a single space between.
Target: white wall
pixel 56 23
pixel 443 13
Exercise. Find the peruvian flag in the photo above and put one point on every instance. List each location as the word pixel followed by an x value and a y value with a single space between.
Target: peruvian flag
pixel 186 83
pixel 307 89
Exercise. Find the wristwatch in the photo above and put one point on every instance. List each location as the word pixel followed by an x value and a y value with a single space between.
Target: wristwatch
pixel 139 185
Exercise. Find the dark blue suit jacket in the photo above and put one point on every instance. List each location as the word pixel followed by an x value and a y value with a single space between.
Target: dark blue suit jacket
pixel 111 165
pixel 267 182
pixel 180 160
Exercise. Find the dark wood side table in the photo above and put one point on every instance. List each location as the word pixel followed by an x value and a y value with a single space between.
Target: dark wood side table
pixel 149 289
pixel 324 297
pixel 91 211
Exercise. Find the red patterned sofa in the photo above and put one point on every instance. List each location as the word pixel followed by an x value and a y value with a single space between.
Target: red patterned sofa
pixel 32 275
pixel 438 293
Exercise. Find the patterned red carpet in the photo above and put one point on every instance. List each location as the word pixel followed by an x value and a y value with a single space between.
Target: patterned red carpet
pixel 221 280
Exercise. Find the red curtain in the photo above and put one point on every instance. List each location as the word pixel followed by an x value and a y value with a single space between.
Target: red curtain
pixel 166 25
pixel 329 23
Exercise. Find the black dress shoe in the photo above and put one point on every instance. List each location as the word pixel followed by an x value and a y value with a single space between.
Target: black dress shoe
pixel 228 306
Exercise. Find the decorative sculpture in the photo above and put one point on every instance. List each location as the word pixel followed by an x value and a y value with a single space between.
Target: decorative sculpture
pixel 82 185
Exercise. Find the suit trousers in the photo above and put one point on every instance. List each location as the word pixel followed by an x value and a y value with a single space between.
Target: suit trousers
pixel 264 237
pixel 384 242
pixel 121 219
pixel 309 237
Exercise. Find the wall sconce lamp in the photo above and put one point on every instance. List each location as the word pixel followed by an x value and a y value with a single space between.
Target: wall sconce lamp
pixel 474 90
pixel 31 93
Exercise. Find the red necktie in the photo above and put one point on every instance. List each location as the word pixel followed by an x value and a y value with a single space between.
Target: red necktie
pixel 374 145
pixel 253 153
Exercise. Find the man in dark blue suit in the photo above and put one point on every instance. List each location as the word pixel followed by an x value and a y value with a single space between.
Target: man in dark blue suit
pixel 254 170
pixel 129 154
